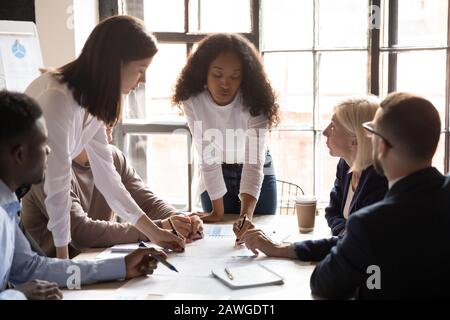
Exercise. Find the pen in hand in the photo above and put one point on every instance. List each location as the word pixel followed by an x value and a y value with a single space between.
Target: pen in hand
pixel 242 224
pixel 142 244
pixel 173 228
pixel 243 221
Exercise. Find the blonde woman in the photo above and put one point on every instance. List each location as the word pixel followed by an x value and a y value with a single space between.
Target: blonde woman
pixel 357 184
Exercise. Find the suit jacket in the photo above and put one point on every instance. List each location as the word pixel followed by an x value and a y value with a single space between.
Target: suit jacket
pixel 406 236
pixel 371 188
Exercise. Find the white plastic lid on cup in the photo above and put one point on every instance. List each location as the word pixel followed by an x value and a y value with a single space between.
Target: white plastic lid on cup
pixel 306 199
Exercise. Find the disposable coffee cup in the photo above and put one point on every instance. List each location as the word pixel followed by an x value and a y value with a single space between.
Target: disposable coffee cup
pixel 306 213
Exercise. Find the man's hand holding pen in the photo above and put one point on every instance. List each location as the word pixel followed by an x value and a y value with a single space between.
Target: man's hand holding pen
pixel 142 261
pixel 158 257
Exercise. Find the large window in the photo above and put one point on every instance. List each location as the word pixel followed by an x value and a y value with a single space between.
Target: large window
pixel 316 52
pixel 414 56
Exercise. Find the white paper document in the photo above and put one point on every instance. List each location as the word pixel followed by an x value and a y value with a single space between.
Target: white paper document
pixel 218 231
pixel 123 249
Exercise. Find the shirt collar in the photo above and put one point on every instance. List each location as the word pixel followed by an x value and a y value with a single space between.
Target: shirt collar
pixel 394 181
pixel 6 196
pixel 9 201
pixel 225 107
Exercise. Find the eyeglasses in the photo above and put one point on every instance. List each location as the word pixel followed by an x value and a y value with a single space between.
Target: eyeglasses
pixel 371 131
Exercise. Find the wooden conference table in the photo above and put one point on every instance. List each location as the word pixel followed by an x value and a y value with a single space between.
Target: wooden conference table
pixel 194 280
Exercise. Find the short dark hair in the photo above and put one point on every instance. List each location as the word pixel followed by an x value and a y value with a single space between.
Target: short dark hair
pixel 94 76
pixel 18 114
pixel 256 89
pixel 411 124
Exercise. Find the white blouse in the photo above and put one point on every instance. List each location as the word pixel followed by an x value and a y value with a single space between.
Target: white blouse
pixel 67 138
pixel 226 134
pixel 348 201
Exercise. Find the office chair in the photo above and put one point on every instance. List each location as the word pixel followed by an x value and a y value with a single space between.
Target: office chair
pixel 287 193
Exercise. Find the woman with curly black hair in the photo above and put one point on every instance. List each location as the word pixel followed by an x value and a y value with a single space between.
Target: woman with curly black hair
pixel 229 104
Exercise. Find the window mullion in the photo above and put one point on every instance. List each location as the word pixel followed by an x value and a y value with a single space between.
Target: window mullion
pixel 392 41
pixel 447 99
pixel 255 25
pixel 316 107
pixel 186 16
pixel 374 53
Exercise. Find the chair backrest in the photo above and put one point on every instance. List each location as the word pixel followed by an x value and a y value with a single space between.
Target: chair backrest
pixel 287 193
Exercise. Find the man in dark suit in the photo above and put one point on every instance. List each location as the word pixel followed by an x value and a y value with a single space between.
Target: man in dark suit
pixel 398 247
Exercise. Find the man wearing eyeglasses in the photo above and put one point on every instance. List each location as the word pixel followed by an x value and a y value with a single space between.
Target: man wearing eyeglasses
pixel 399 247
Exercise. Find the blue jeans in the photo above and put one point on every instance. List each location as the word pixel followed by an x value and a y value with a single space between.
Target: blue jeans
pixel 267 202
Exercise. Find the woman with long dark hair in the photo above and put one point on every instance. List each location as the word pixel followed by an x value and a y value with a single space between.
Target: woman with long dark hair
pixel 79 100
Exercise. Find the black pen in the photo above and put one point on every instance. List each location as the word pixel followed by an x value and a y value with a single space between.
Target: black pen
pixel 242 224
pixel 142 244
pixel 173 227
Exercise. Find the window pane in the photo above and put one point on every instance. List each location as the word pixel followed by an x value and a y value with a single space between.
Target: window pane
pixel 343 23
pixel 287 24
pixel 219 16
pixel 161 161
pixel 135 104
pixel 326 171
pixel 134 8
pixel 423 73
pixel 438 160
pixel 164 16
pixel 292 153
pixel 161 77
pixel 136 153
pixel 341 75
pixel 291 75
pixel 422 22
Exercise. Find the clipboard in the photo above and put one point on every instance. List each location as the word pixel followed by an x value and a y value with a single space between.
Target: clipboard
pixel 247 276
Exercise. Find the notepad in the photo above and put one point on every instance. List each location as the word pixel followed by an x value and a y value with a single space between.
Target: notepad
pixel 247 276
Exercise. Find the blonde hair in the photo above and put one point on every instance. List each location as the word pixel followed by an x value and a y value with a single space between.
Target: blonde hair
pixel 352 113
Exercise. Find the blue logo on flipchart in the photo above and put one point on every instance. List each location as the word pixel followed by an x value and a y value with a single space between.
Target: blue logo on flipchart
pixel 18 50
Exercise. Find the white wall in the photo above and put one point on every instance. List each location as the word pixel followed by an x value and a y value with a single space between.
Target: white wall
pixel 63 27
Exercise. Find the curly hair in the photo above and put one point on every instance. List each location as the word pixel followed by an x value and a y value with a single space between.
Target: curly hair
pixel 256 90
